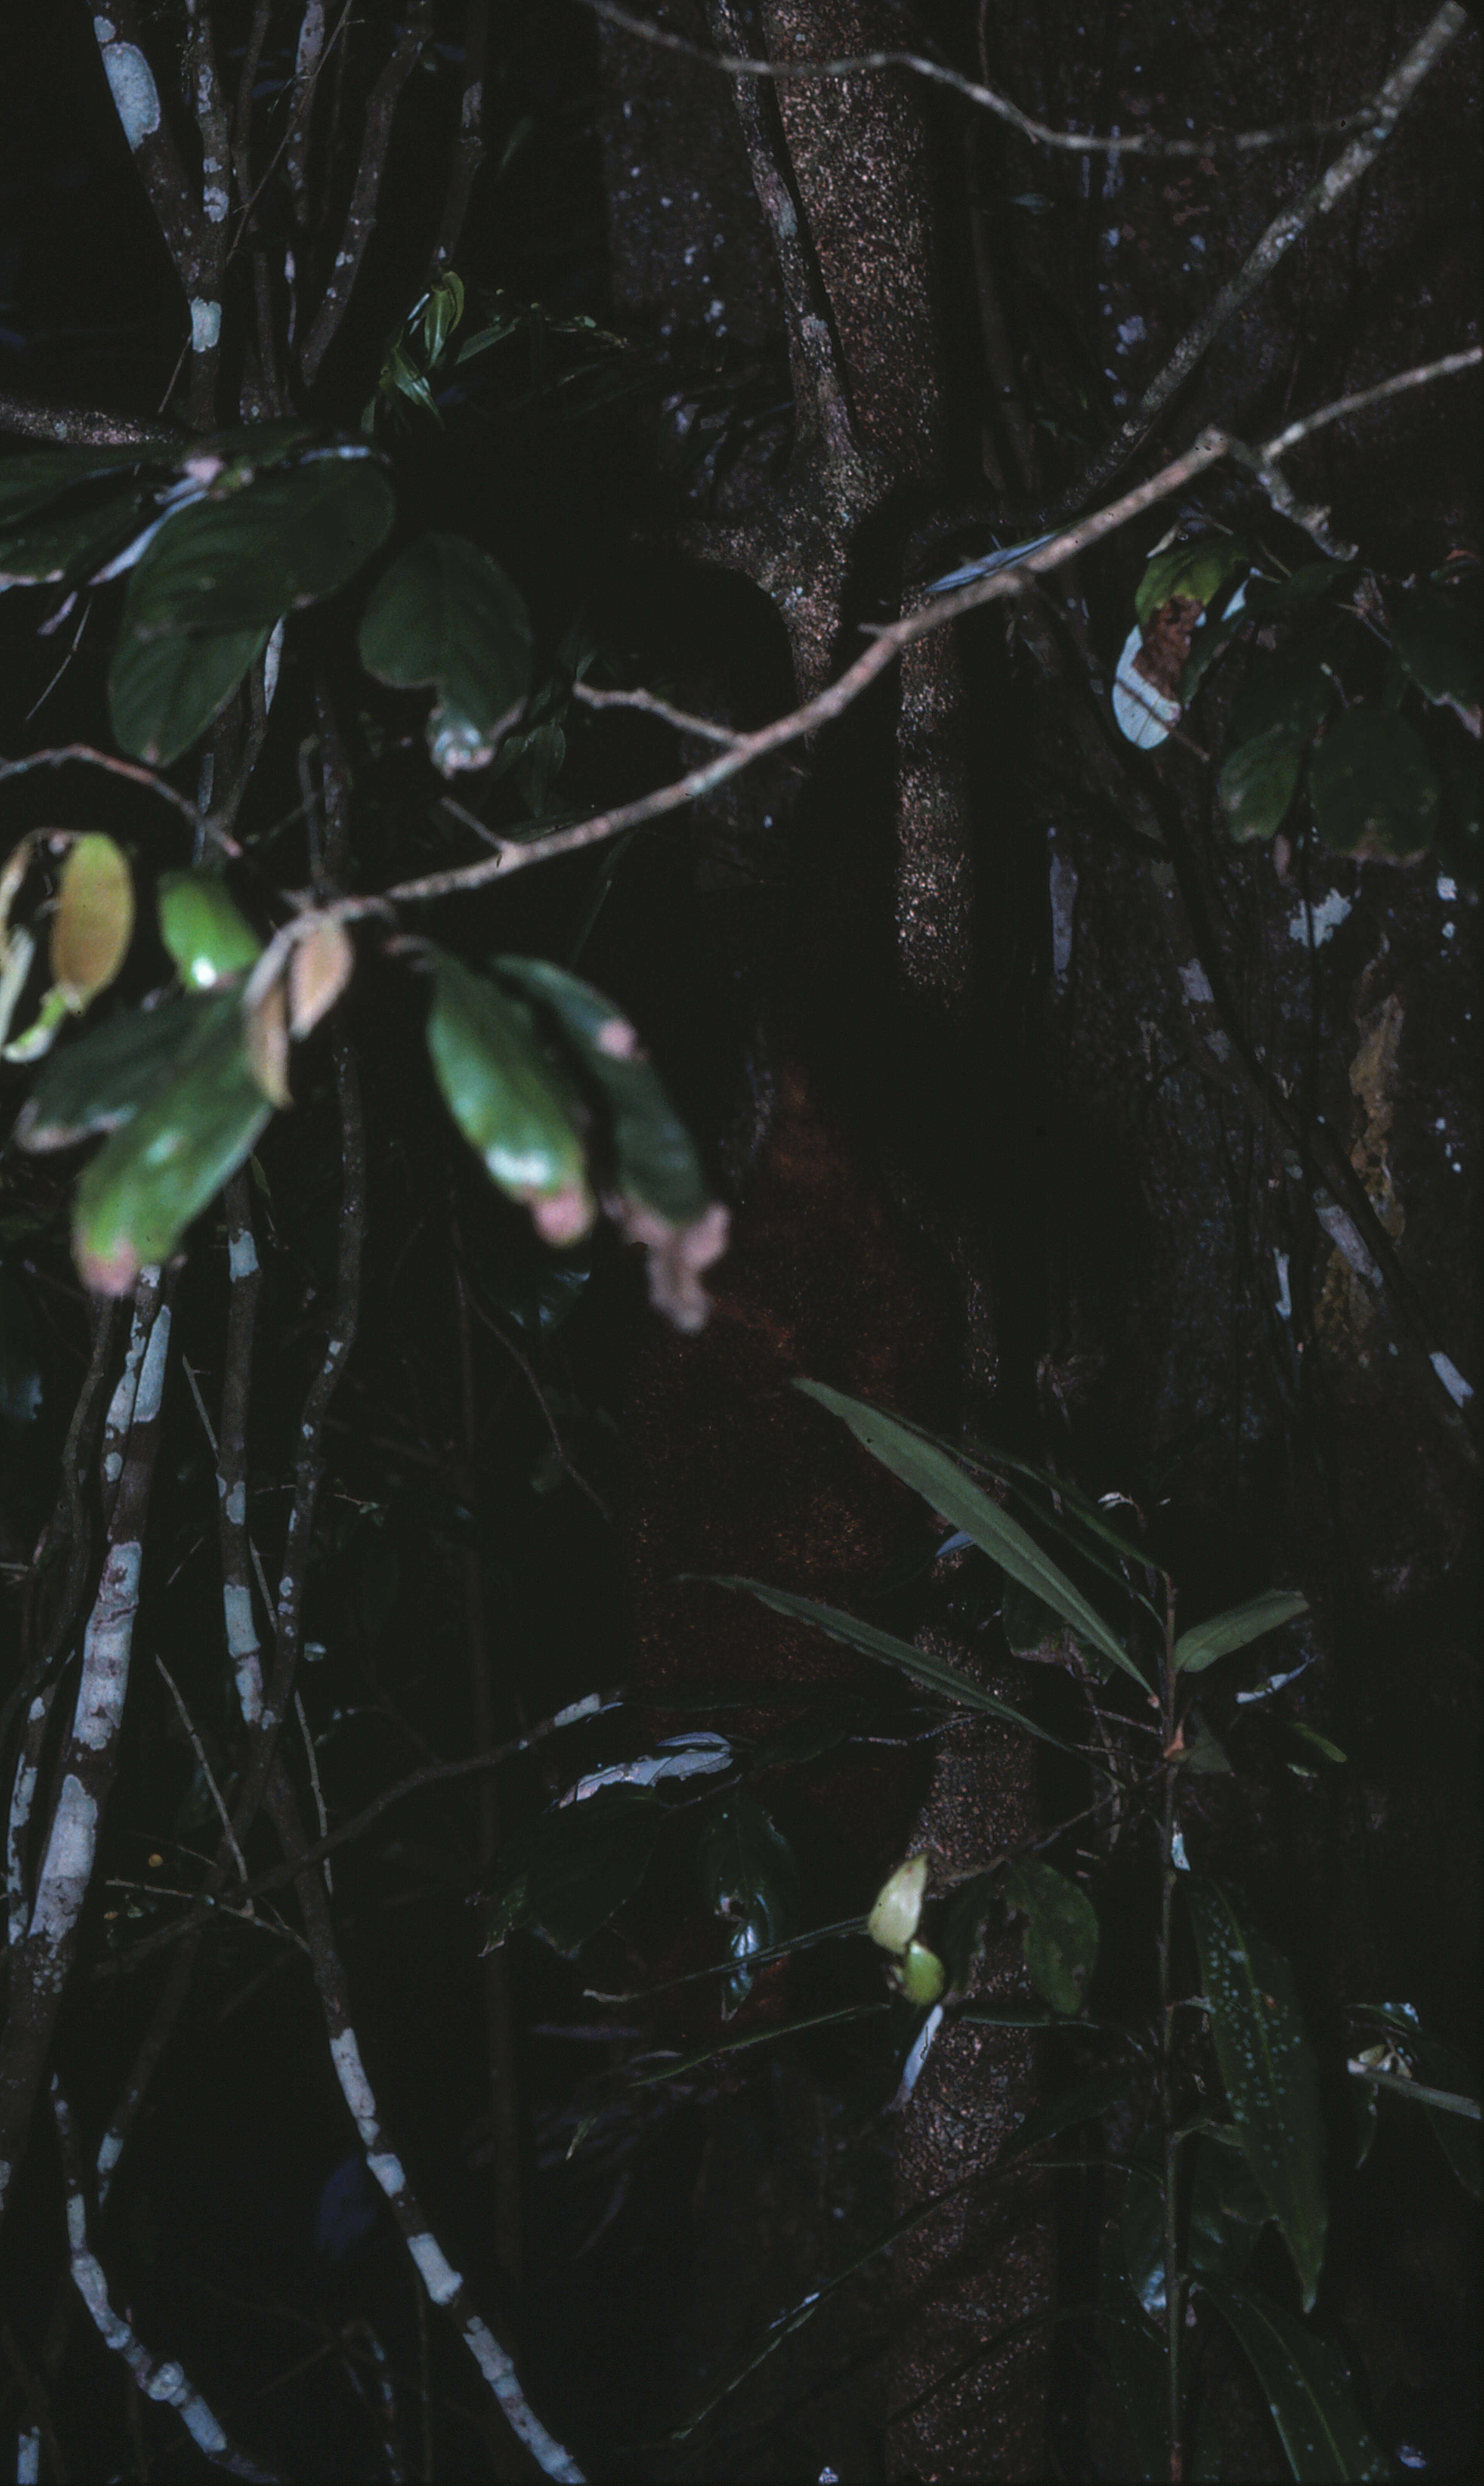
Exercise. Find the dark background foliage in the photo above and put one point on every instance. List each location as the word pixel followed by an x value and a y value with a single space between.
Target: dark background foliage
pixel 518 1464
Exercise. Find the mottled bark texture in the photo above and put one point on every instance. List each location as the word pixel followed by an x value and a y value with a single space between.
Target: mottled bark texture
pixel 840 176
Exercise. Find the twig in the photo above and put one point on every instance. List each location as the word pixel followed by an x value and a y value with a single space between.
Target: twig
pixel 437 1772
pixel 34 2393
pixel 648 705
pixel 61 753
pixel 142 119
pixel 1212 445
pixel 469 145
pixel 1287 227
pixel 230 1452
pixel 820 384
pixel 411 41
pixel 207 1773
pixel 1144 142
pixel 209 104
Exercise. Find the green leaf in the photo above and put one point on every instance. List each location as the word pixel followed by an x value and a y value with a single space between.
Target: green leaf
pixel 898 1909
pixel 163 693
pixel 1318 1743
pixel 1268 2068
pixel 1258 784
pixel 1220 2238
pixel 655 1159
pixel 1437 637
pixel 1322 2435
pixel 570 1872
pixel 1237 2189
pixel 1197 1649
pixel 142 1190
pixel 105 1076
pixel 1205 1754
pixel 915 1663
pixel 1028 1623
pixel 944 1487
pixel 67 544
pixel 1374 790
pixel 35 480
pixel 1267 597
pixel 444 614
pixel 1198 570
pixel 204 932
pixel 1062 1932
pixel 508 1100
pixel 247 554
pixel 748 1878
pixel 920 1974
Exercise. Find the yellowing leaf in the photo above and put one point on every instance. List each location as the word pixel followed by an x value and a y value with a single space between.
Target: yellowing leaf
pixel 93 922
pixel 319 966
pixel 265 1033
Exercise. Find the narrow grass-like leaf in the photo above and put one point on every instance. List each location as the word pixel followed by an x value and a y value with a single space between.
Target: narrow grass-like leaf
pixel 1267 2065
pixel 680 2064
pixel 930 1671
pixel 943 1485
pixel 1224 1633
pixel 1322 2435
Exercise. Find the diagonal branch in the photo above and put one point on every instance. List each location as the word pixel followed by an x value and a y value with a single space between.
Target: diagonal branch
pixel 41 1963
pixel 820 388
pixel 411 41
pixel 469 145
pixel 885 643
pixel 1070 142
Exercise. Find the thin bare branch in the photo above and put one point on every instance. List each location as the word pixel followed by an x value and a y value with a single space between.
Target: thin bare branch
pixel 648 705
pixel 412 38
pixel 209 104
pixel 61 753
pixel 434 1774
pixel 1071 142
pixel 821 385
pixel 203 1764
pixel 885 643
pixel 469 145
pixel 1287 227
pixel 136 98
